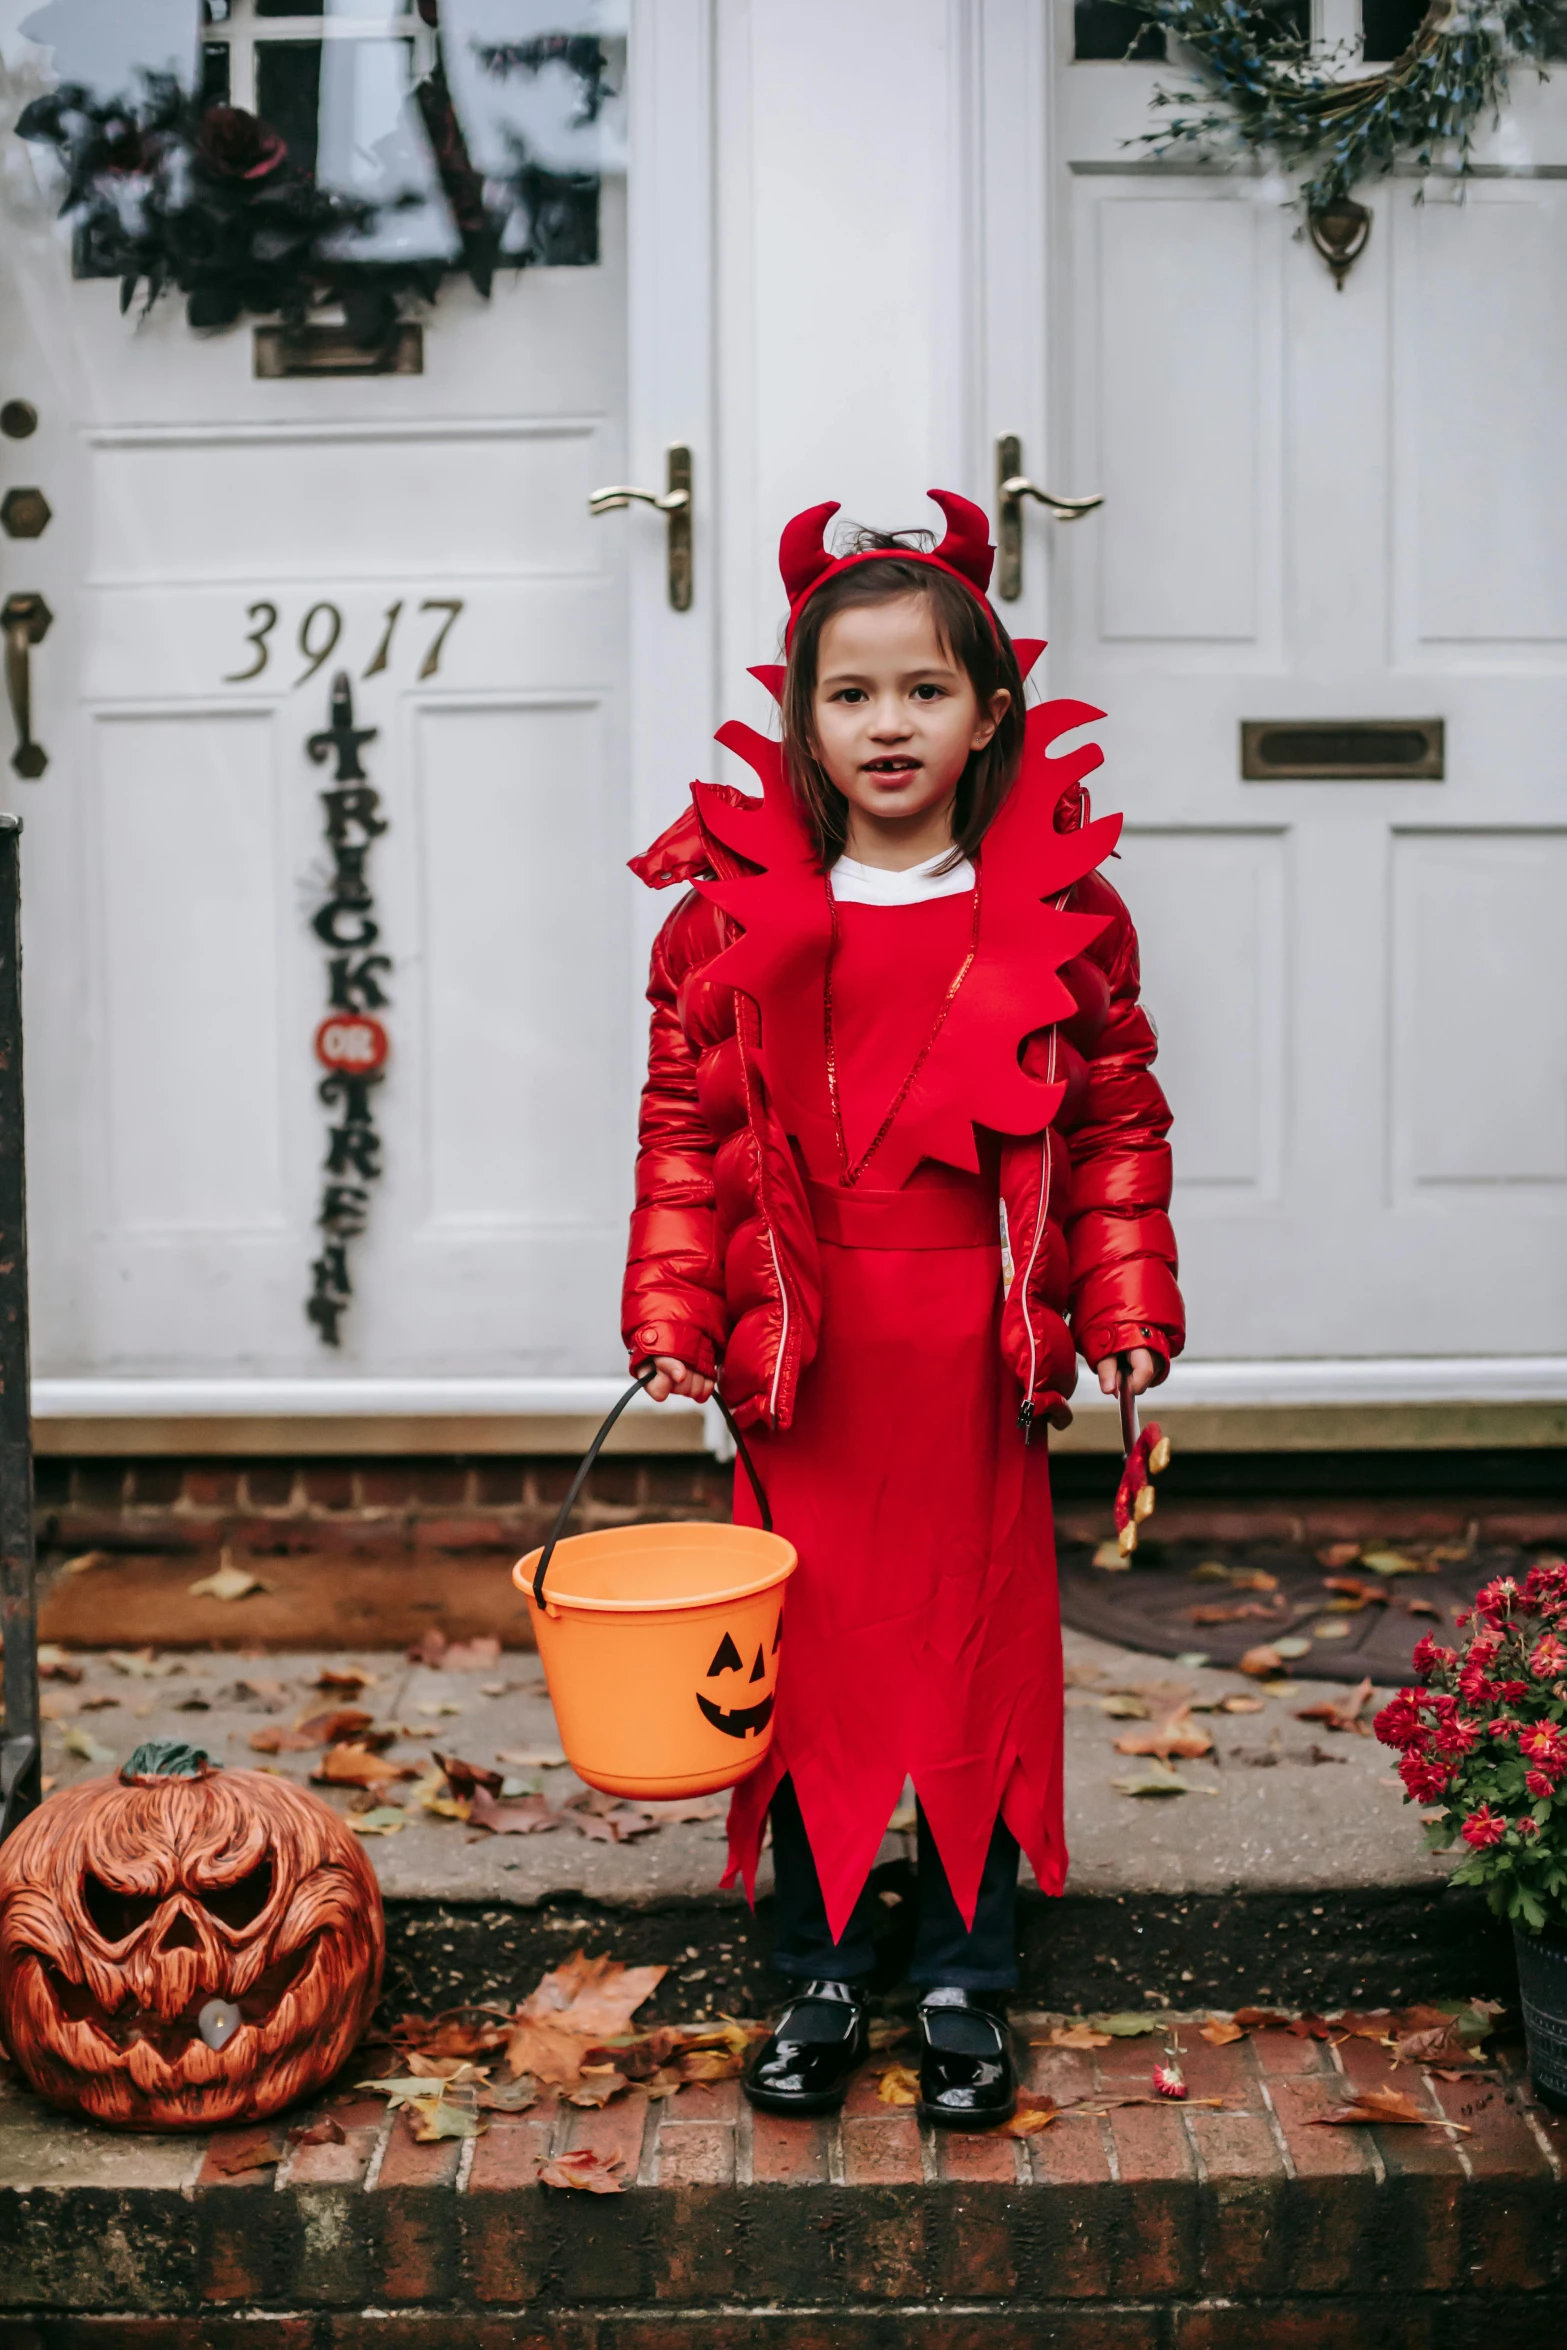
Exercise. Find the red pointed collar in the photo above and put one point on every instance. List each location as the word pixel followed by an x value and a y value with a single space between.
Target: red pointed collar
pixel 972 1075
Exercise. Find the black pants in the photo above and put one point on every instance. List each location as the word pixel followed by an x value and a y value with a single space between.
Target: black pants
pixel 984 1960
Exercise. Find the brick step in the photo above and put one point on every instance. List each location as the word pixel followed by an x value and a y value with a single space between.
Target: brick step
pixel 1170 2227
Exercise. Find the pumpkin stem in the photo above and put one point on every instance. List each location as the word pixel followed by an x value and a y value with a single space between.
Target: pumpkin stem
pixel 168 1758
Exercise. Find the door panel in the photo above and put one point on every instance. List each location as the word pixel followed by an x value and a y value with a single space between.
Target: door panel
pixel 221 546
pixel 1328 505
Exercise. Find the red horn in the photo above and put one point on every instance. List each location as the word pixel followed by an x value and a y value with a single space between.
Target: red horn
pixel 802 558
pixel 967 546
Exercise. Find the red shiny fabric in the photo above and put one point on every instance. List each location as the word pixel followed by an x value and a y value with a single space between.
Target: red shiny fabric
pixel 723 1263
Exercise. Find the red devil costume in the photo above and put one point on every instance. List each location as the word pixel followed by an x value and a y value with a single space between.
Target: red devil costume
pixel 846 1103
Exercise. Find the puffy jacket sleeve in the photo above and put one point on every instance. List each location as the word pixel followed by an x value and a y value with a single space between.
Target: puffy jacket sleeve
pixel 673 1300
pixel 1120 1241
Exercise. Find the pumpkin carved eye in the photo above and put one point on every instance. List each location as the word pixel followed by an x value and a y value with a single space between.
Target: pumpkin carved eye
pixel 117 1914
pixel 726 1658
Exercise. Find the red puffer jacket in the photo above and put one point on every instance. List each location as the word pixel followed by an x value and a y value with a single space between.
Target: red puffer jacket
pixel 723 1266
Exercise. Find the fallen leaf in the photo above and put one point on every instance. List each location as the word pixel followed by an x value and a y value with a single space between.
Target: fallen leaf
pixel 683 1808
pixel 347 1678
pixel 1079 2034
pixel 509 2096
pixel 1177 1734
pixel 226 1582
pixel 81 1742
pixel 1219 2031
pixel 356 1766
pixel 1423 1607
pixel 99 1703
pixel 1260 2019
pixel 341 1723
pixel 1386 2105
pixel 1292 1648
pixel 607 1818
pixel 571 2010
pixel 383 1820
pixel 885 2032
pixel 1341 1713
pixel 1390 1562
pixel 325 2132
pixel 1236 1611
pixel 144 1664
pixel 1253 1579
pixel 1334 1555
pixel 524 1817
pixel 437 1705
pixel 597 2086
pixel 1210 1571
pixel 85 1561
pixel 1331 1628
pixel 1123 1706
pixel 54 1664
pixel 463 1777
pixel 1242 1705
pixel 1109 1556
pixel 899 2085
pixel 274 1738
pixel 430 2118
pixel 538 1758
pixel 1262 1660
pixel 1355 1593
pixel 1169 2080
pixel 597 2174
pixel 1127 2024
pixel 1035 2112
pixel 1153 1782
pixel 257 2155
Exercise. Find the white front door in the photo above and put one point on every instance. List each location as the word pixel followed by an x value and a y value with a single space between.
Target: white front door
pixel 1328 506
pixel 225 543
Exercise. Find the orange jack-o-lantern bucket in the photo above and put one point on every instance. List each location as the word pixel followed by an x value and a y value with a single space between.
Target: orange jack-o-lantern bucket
pixel 660 1644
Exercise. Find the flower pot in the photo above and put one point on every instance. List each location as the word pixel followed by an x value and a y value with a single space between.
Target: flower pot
pixel 1542 1984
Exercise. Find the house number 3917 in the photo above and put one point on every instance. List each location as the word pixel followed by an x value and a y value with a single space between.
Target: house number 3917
pixel 322 626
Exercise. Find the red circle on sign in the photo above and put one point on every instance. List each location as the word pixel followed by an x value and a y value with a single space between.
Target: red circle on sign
pixel 352 1042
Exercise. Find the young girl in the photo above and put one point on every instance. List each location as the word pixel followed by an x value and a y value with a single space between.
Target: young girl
pixel 895 1031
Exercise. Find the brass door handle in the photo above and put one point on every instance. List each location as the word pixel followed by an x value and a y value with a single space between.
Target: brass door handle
pixel 1012 487
pixel 674 505
pixel 25 620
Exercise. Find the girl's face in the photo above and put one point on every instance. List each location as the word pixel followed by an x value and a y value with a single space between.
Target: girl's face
pixel 895 718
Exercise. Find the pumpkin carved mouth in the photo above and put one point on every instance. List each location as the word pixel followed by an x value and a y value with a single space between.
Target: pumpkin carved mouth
pixel 172 2036
pixel 737 1721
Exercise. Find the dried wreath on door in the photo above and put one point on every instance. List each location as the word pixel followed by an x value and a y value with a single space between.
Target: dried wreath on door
pixel 270 175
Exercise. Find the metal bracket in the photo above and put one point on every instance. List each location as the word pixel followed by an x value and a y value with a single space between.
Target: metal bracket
pixel 1012 487
pixel 24 621
pixel 675 506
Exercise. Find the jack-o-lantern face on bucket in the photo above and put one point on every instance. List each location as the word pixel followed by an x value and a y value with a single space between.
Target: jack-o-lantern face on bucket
pixel 184 1946
pixel 743 1707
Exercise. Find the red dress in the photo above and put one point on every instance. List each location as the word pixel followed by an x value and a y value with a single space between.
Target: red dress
pixel 925 1597
pixel 859 1324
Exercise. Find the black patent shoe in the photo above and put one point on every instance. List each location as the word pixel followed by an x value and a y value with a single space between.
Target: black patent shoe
pixel 806 2063
pixel 967 2078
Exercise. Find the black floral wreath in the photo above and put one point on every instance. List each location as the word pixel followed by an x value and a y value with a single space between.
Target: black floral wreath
pixel 167 194
pixel 1292 104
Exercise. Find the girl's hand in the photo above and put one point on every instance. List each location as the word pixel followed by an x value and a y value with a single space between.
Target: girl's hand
pixel 676 1378
pixel 1142 1368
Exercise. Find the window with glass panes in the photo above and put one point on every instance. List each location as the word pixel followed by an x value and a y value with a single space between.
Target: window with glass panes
pixel 302 69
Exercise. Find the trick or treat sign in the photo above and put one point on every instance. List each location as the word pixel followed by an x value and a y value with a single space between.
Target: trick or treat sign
pixel 351 1045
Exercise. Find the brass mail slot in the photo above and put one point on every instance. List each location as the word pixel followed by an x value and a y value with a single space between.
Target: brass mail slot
pixel 1329 750
pixel 331 350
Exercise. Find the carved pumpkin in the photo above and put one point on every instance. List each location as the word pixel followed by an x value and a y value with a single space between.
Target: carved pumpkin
pixel 183 1945
pixel 742 1709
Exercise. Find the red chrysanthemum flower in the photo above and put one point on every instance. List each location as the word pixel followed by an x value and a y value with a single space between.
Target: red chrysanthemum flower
pixel 1424 1780
pixel 1473 1683
pixel 1430 1656
pixel 1399 1723
pixel 1496 1597
pixel 1460 1736
pixel 1543 1742
pixel 1483 1827
pixel 1540 1783
pixel 1548 1657
pixel 1528 1825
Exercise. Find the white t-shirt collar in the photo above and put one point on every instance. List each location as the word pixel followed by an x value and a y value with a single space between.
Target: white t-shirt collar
pixel 854 884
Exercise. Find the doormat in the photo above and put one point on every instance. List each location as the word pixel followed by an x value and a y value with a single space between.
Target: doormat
pixel 1333 1616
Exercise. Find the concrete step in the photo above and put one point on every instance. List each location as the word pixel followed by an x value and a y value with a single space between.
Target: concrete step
pixel 1171 2227
pixel 1293 1872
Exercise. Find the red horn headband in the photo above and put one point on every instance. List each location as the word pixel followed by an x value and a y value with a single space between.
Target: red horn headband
pixel 965 553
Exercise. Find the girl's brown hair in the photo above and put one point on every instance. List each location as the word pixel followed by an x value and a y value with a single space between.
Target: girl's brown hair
pixel 983 652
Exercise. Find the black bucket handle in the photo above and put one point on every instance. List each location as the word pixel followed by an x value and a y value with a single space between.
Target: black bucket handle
pixel 647 1372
